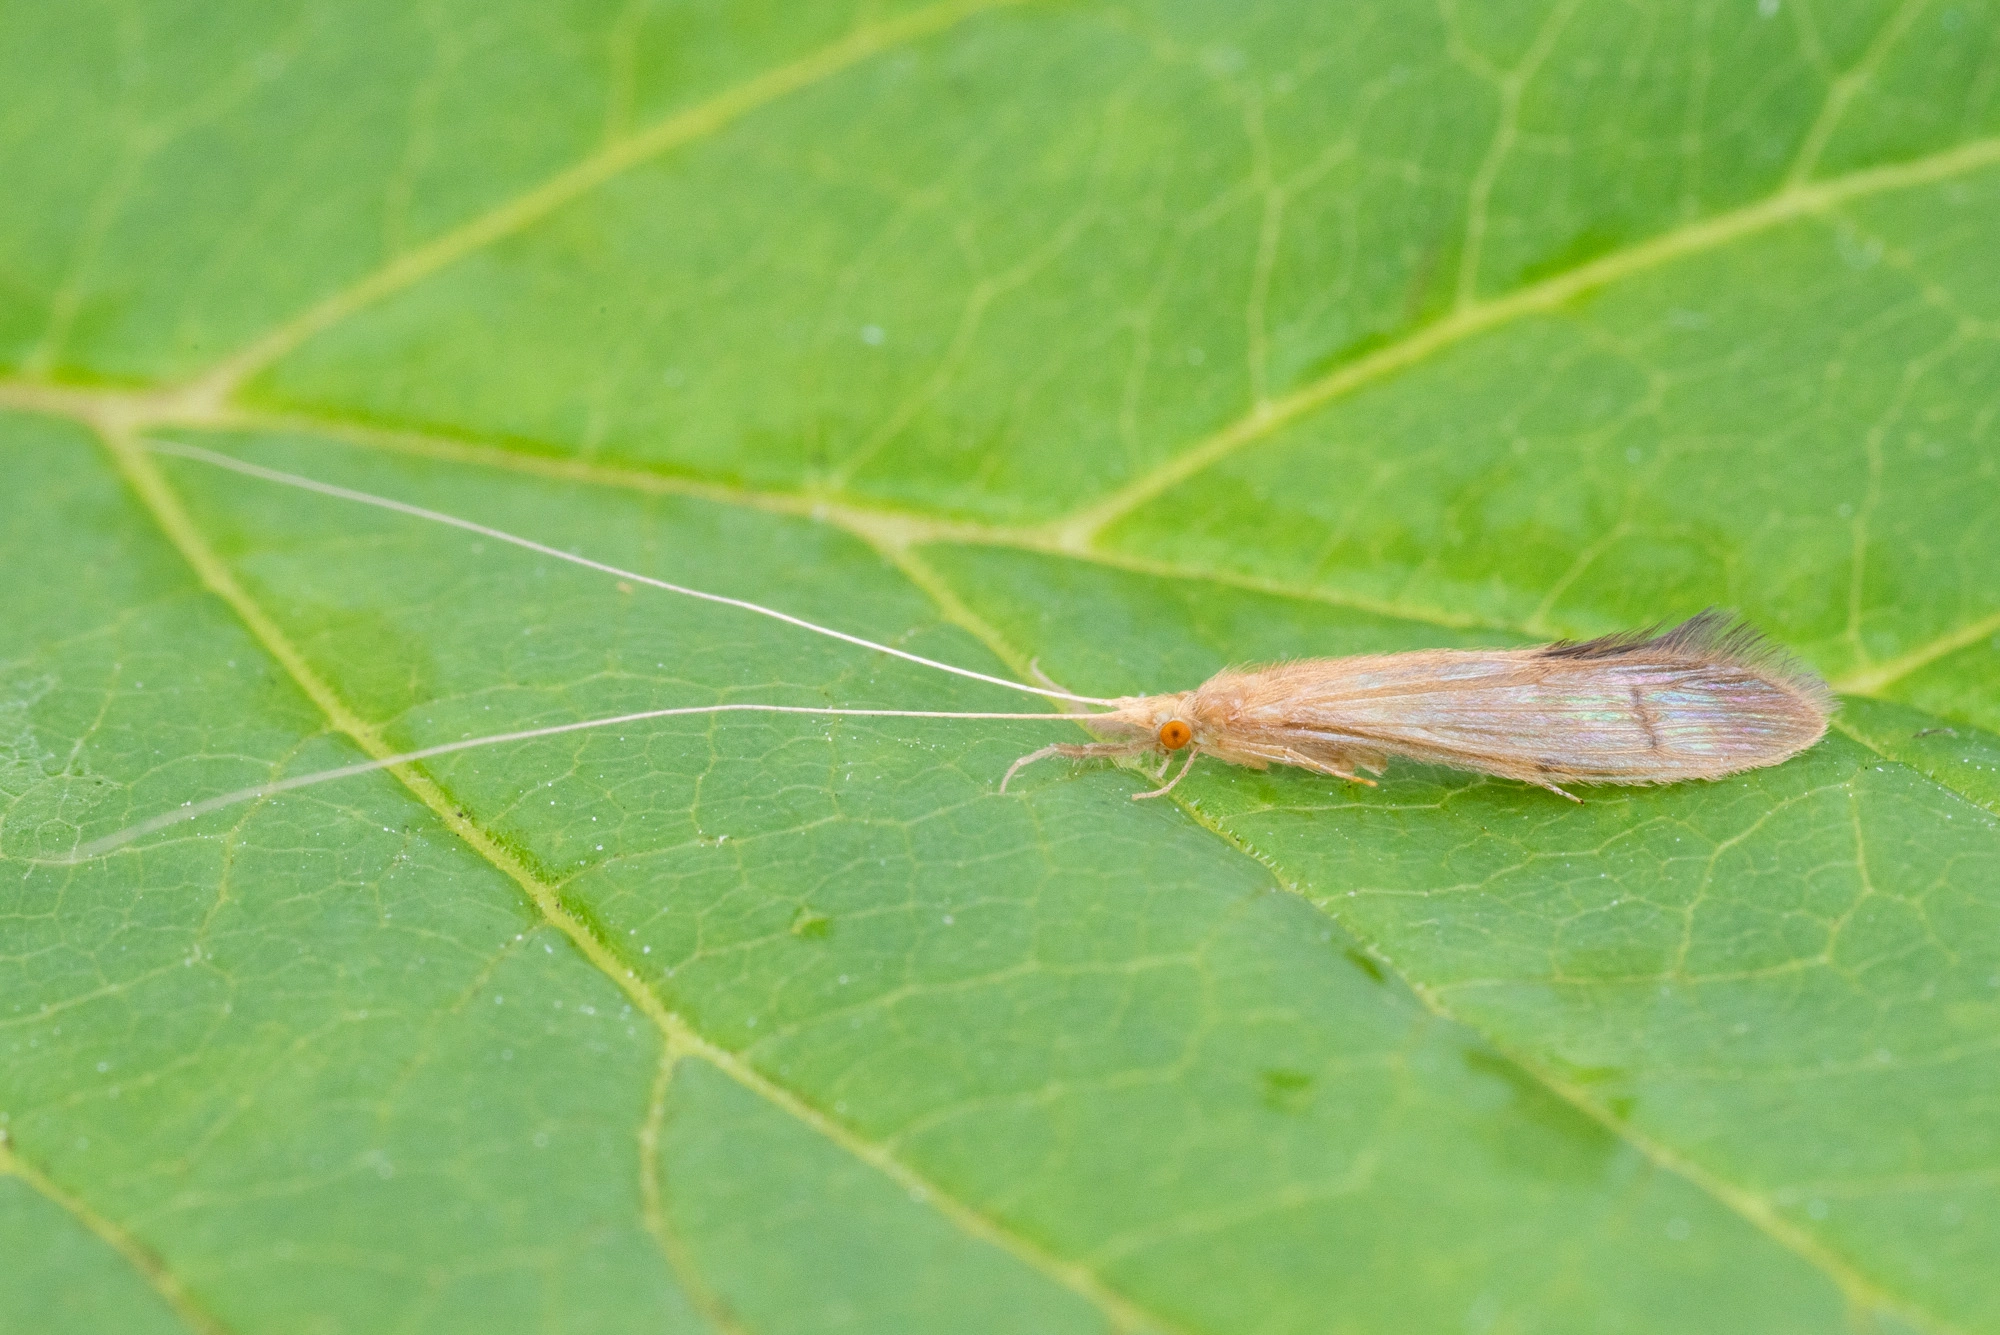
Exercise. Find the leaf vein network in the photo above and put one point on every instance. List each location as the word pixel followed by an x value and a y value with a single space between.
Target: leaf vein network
pixel 679 1039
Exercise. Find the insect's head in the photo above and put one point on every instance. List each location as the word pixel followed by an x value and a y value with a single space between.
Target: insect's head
pixel 1162 720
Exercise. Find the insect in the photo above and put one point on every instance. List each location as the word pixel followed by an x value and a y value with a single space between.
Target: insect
pixel 1708 698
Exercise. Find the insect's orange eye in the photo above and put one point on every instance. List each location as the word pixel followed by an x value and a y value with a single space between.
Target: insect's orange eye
pixel 1175 734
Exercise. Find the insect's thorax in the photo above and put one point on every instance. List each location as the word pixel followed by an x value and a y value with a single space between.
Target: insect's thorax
pixel 1218 708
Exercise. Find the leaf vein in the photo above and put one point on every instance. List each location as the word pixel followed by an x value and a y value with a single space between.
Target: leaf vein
pixel 608 163
pixel 679 1038
pixel 1082 528
pixel 1756 1210
pixel 150 1267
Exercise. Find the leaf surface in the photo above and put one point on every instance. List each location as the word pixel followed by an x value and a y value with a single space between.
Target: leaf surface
pixel 1128 344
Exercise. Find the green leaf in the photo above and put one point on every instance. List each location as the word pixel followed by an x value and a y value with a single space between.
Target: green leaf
pixel 1129 342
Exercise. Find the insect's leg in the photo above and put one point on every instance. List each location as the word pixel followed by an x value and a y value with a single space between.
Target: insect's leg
pixel 1162 792
pixel 1075 751
pixel 1326 767
pixel 1542 783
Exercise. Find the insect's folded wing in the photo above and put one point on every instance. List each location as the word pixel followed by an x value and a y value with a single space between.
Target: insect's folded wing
pixel 1521 714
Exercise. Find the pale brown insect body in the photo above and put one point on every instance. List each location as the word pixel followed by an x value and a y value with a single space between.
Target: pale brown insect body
pixel 1708 698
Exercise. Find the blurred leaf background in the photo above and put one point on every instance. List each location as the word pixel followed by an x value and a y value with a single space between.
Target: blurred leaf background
pixel 1133 340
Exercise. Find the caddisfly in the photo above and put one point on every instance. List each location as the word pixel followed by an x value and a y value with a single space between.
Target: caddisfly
pixel 1707 698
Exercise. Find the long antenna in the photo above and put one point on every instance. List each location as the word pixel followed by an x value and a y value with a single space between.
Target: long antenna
pixel 193 810
pixel 234 465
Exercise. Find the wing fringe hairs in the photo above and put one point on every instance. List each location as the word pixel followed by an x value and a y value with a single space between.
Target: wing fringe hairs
pixel 1711 635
